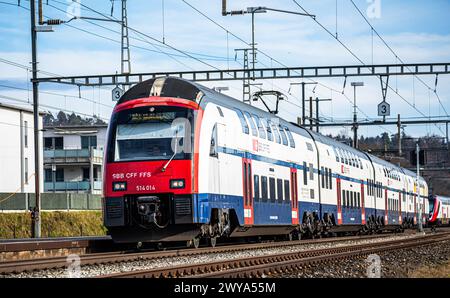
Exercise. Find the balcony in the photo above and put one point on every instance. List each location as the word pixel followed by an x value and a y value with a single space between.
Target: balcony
pixel 79 186
pixel 73 156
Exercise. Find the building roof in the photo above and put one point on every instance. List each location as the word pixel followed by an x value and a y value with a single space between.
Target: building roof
pixel 18 108
pixel 69 127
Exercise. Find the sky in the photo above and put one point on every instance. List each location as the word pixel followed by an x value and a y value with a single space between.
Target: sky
pixel 418 31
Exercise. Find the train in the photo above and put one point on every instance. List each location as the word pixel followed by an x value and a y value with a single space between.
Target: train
pixel 186 163
pixel 439 214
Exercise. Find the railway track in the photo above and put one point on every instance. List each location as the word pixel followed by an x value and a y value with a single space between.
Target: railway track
pixel 274 264
pixel 18 266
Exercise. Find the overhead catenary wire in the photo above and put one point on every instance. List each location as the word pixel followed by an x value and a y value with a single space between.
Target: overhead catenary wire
pixel 395 54
pixel 362 62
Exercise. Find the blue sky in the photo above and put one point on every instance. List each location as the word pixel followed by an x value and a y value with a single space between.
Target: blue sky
pixel 418 31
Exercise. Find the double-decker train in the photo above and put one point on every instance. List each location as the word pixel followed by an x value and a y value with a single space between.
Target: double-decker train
pixel 439 210
pixel 183 162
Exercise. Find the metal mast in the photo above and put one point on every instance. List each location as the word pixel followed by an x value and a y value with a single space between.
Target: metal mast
pixel 125 44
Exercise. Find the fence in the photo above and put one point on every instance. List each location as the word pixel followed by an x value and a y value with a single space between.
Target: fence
pixel 50 201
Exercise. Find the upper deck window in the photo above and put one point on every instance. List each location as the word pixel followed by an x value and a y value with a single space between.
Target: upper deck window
pixel 269 130
pixel 290 137
pixel 283 135
pixel 252 124
pixel 244 124
pixel 275 132
pixel 262 133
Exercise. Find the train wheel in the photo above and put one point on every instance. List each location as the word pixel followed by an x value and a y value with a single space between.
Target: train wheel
pixel 196 242
pixel 213 241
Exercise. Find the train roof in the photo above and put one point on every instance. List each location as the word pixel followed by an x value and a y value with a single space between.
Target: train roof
pixel 182 88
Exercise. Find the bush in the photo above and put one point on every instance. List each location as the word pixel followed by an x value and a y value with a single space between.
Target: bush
pixel 54 224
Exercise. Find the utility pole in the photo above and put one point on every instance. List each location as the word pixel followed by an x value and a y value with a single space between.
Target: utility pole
pixel 399 127
pixel 246 94
pixel 125 42
pixel 36 220
pixel 310 113
pixel 355 115
pixel 418 187
pixel 317 110
pixel 303 99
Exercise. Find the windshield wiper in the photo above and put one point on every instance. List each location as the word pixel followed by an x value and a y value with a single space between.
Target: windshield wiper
pixel 174 153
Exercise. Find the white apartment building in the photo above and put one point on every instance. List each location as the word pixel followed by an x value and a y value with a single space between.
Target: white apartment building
pixel 73 158
pixel 17 149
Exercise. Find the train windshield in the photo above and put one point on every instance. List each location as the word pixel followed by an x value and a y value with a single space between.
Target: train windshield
pixel 151 133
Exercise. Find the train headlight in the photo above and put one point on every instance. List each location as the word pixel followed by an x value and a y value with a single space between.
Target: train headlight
pixel 119 186
pixel 177 183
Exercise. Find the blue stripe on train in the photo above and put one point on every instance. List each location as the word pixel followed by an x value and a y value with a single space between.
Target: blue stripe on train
pixel 275 213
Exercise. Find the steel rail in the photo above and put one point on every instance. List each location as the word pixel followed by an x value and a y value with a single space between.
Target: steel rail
pixel 276 263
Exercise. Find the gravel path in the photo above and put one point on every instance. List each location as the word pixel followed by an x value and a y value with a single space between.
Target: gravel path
pixel 95 270
pixel 395 264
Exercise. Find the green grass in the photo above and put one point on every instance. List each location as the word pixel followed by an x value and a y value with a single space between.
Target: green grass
pixel 54 224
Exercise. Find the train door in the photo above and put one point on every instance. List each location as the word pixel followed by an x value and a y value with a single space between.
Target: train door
pixel 214 173
pixel 386 211
pixel 294 197
pixel 339 201
pixel 223 163
pixel 247 191
pixel 363 209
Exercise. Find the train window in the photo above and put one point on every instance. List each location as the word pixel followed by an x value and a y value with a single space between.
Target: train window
pixel 330 177
pixel 220 111
pixel 305 177
pixel 290 137
pixel 264 188
pixel 280 190
pixel 309 146
pixel 359 200
pixel 352 199
pixel 256 187
pixel 283 135
pixel 275 132
pixel 311 194
pixel 252 123
pixel 344 201
pixel 244 124
pixel 311 171
pixel 347 193
pixel 336 154
pixel 262 133
pixel 268 129
pixel 341 154
pixel 346 159
pixel 272 189
pixel 322 175
pixel 213 146
pixel 287 192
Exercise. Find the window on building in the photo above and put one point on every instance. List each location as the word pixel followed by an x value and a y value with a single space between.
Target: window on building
pixel 252 124
pixel 86 174
pixel 59 175
pixel 58 143
pixel 272 190
pixel 48 177
pixel 88 142
pixel 26 170
pixel 264 188
pixel 48 143
pixel 280 190
pixel 256 187
pixel 25 134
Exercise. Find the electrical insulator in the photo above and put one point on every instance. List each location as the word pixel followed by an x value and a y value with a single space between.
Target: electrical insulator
pixel 54 22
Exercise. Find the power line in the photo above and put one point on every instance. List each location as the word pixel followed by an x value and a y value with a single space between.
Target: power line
pixel 362 62
pixel 395 54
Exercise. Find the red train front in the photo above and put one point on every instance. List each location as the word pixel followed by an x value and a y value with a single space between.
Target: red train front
pixel 148 173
